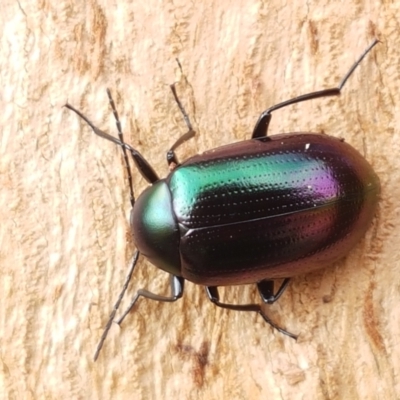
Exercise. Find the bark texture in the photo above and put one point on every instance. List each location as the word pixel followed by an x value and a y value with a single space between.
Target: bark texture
pixel 65 241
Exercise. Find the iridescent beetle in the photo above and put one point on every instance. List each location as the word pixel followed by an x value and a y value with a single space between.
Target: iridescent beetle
pixel 250 212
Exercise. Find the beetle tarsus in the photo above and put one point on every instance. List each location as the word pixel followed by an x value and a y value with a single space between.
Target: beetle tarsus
pixel 278 328
pixel 213 295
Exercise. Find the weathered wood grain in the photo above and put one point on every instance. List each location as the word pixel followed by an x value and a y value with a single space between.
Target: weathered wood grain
pixel 64 237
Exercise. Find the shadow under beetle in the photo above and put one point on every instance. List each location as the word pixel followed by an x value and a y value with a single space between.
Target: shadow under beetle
pixel 249 212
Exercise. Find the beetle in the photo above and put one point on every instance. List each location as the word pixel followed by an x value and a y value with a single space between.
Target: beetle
pixel 267 208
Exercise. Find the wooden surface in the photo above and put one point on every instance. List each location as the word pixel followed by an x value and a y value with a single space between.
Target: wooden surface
pixel 64 239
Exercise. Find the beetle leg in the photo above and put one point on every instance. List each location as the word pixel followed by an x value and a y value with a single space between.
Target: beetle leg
pixel 171 156
pixel 145 169
pixel 177 286
pixel 266 290
pixel 213 295
pixel 261 128
pixel 116 305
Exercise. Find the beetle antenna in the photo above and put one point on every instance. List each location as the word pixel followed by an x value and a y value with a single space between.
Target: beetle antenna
pixel 116 306
pixel 121 138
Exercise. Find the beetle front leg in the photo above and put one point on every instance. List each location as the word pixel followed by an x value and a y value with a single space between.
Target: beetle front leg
pixel 213 295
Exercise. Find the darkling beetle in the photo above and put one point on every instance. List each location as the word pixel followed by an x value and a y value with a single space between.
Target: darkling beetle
pixel 267 208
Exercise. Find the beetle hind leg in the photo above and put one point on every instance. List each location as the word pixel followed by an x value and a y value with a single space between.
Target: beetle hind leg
pixel 261 127
pixel 213 295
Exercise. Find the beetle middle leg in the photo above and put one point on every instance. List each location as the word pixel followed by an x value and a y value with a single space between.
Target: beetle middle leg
pixel 261 128
pixel 213 295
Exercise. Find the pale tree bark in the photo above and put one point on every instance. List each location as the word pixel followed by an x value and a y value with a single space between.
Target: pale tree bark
pixel 65 236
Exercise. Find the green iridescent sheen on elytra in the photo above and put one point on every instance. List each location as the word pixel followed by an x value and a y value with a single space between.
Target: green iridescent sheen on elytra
pixel 256 186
